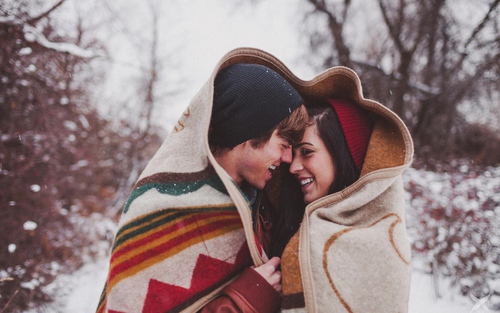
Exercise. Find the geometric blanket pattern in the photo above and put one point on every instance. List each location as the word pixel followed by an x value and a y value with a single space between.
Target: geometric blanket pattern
pixel 157 237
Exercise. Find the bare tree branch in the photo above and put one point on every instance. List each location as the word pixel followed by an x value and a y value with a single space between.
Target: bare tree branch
pixel 336 30
pixel 483 23
pixel 347 3
pixel 152 79
pixel 393 30
pixel 32 21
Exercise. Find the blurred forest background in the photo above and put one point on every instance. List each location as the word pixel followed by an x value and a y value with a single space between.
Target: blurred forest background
pixel 72 142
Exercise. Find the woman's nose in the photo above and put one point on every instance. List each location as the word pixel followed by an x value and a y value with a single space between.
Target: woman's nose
pixel 296 165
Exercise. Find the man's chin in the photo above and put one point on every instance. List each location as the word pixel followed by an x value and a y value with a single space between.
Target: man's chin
pixel 260 185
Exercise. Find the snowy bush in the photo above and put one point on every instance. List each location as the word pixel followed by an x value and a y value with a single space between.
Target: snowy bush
pixel 453 221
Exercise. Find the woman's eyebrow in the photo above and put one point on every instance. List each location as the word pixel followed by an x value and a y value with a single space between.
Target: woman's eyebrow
pixel 300 144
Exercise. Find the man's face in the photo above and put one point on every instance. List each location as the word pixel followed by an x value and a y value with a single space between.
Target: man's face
pixel 256 165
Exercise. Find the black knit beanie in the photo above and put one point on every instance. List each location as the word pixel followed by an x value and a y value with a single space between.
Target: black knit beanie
pixel 249 100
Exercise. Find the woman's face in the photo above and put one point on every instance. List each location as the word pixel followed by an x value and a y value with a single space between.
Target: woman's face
pixel 312 165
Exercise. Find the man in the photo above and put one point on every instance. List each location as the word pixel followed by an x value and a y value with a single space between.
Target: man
pixel 251 99
pixel 186 234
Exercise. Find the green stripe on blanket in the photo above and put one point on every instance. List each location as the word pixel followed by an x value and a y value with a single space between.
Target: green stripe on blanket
pixel 176 188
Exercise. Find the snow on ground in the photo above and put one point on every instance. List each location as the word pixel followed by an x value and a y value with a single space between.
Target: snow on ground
pixel 79 292
pixel 86 286
pixel 423 298
pixel 88 282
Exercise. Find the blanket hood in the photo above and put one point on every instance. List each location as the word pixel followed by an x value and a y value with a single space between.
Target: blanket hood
pixel 390 150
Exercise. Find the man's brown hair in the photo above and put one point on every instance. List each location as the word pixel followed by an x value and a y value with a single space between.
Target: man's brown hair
pixel 291 128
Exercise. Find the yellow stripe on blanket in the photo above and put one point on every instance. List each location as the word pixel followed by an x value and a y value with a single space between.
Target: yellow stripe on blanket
pixel 182 229
pixel 188 223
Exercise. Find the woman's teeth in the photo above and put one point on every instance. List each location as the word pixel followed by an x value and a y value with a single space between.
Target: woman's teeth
pixel 272 167
pixel 306 181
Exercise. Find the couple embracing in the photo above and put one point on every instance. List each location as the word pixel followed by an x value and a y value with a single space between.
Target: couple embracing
pixel 271 194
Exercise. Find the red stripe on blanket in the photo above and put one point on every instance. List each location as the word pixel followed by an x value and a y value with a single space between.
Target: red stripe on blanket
pixel 179 224
pixel 171 247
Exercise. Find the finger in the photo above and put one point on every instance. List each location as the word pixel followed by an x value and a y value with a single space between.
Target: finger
pixel 277 287
pixel 275 278
pixel 275 262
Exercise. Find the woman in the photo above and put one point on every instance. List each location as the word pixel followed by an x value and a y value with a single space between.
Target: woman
pixel 350 253
pixel 324 162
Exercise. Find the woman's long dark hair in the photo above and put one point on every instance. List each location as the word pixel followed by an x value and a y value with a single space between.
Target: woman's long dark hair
pixel 291 197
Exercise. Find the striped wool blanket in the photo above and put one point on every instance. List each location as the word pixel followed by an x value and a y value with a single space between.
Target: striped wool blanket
pixel 186 228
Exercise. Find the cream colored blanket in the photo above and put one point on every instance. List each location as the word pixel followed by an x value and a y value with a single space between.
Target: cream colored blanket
pixel 352 254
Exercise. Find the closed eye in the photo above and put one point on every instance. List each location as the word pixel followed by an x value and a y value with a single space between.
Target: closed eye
pixel 304 151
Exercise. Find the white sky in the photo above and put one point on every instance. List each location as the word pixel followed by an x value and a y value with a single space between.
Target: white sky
pixel 194 36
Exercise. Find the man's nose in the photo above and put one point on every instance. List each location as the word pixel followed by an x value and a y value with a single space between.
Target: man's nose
pixel 286 156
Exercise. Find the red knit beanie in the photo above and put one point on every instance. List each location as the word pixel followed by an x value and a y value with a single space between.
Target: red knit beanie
pixel 357 126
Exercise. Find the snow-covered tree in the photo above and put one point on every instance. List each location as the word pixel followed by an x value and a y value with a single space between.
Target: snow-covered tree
pixel 59 159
